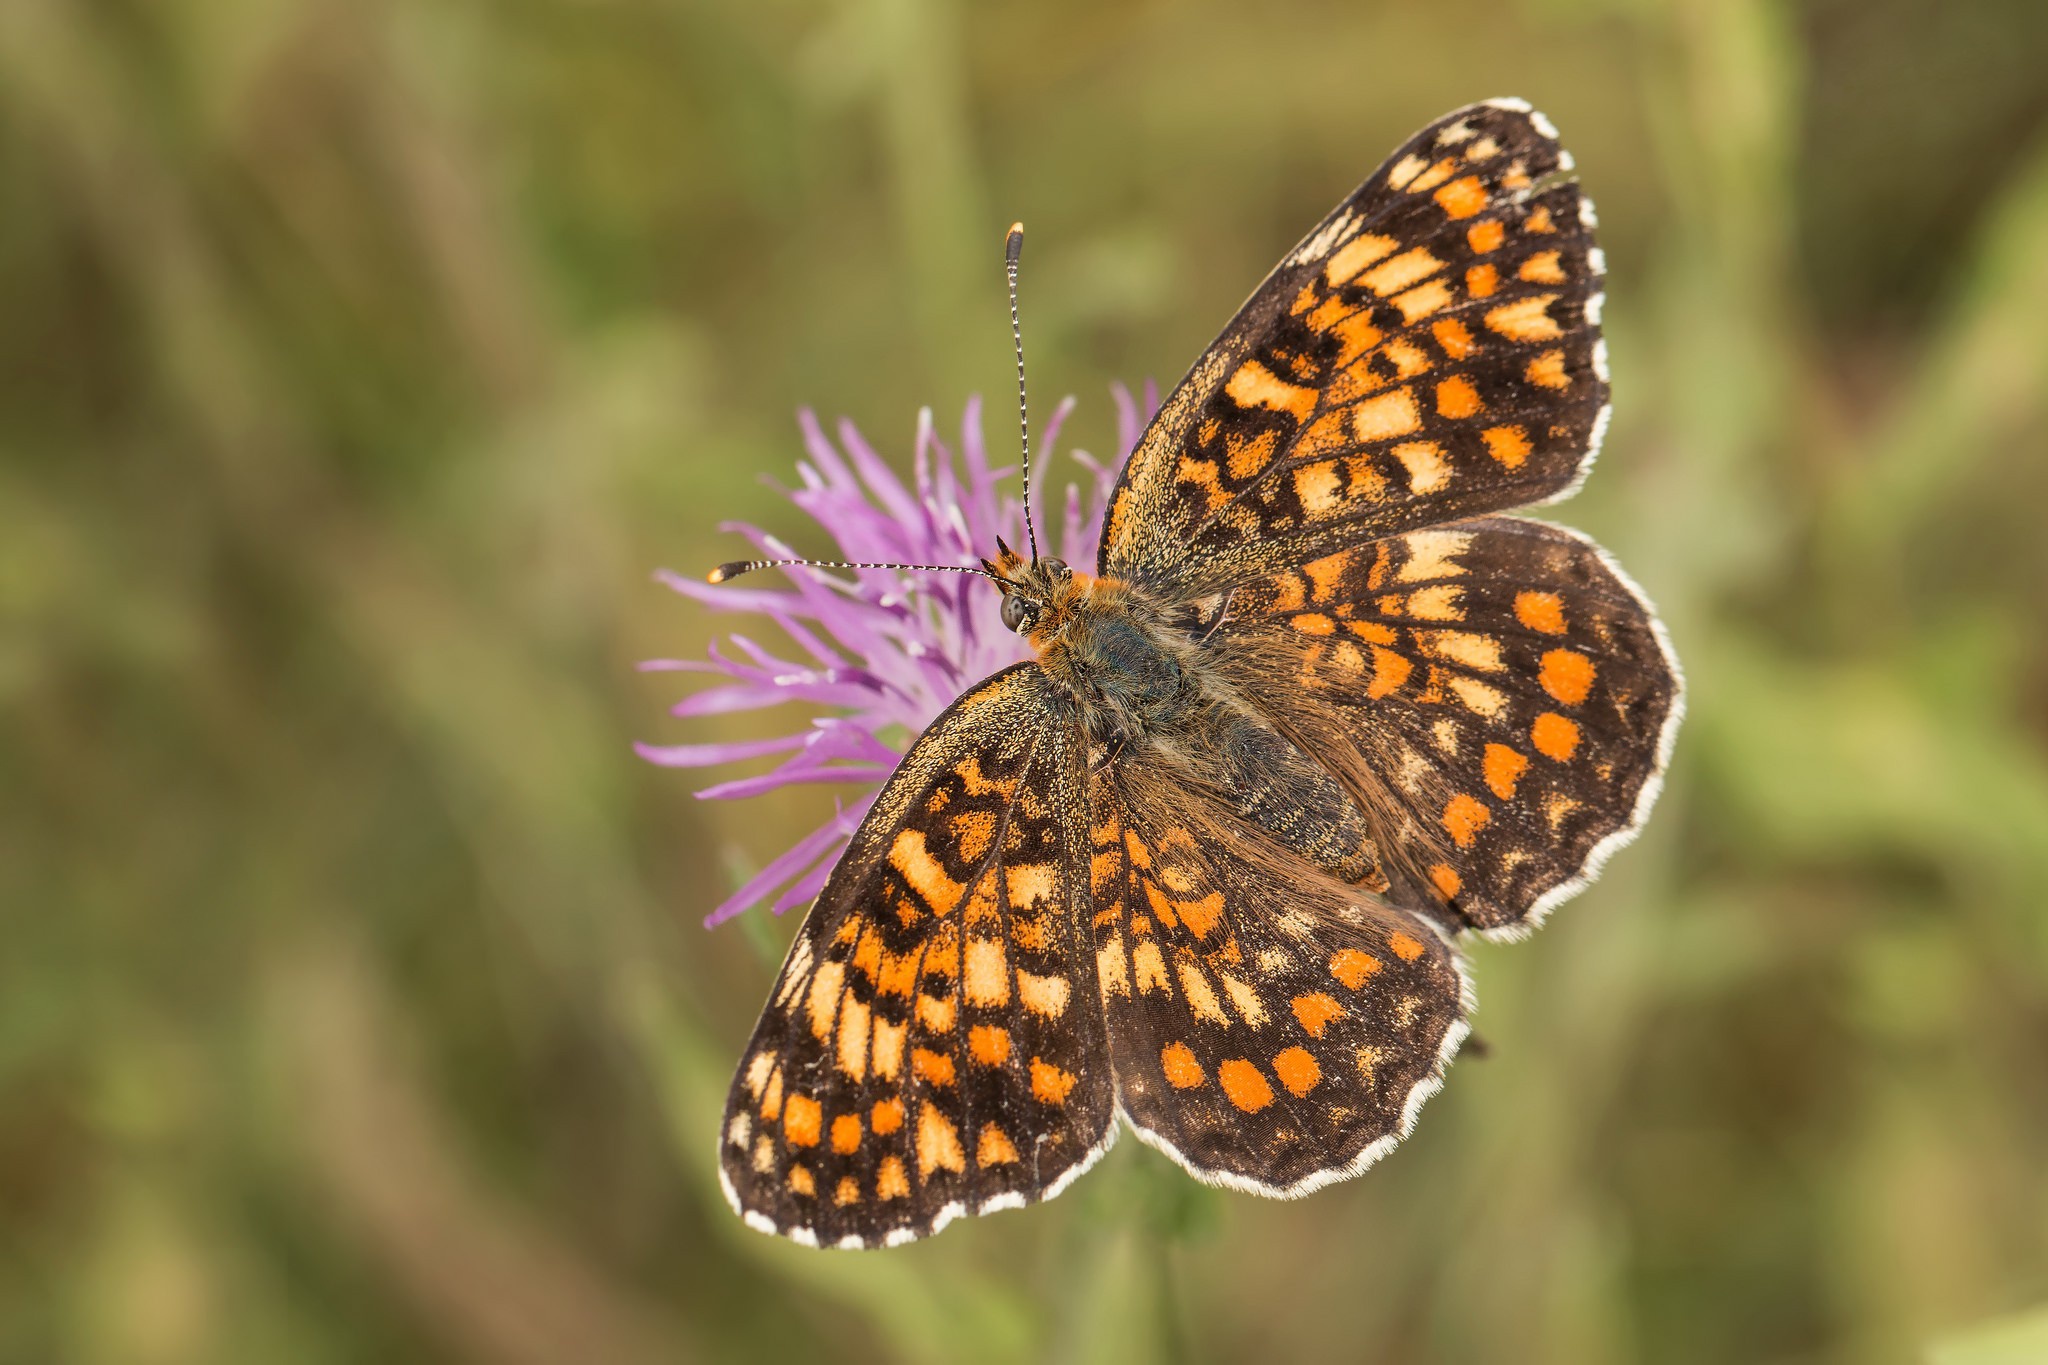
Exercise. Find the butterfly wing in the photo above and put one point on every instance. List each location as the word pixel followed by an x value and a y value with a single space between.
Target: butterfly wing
pixel 1504 681
pixel 1430 351
pixel 931 1047
pixel 1272 1029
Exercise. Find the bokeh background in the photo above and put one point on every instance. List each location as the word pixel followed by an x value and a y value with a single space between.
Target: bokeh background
pixel 359 361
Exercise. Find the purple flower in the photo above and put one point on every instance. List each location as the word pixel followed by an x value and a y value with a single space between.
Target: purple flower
pixel 884 650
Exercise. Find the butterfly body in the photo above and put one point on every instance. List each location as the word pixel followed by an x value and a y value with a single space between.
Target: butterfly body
pixel 1200 865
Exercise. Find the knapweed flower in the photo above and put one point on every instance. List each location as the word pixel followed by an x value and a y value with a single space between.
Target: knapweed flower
pixel 883 650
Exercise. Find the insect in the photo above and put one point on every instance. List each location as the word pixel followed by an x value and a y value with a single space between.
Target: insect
pixel 1321 708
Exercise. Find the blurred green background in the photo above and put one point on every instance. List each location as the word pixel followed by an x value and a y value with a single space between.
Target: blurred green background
pixel 359 359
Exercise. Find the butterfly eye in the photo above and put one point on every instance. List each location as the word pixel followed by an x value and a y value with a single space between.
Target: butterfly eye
pixel 1056 569
pixel 1018 613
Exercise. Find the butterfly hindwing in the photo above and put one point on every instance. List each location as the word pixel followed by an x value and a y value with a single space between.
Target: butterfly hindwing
pixel 1272 1029
pixel 932 1045
pixel 1431 351
pixel 1508 681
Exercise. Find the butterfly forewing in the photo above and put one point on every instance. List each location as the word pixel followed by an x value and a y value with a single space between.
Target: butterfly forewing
pixel 932 1046
pixel 1507 679
pixel 1431 351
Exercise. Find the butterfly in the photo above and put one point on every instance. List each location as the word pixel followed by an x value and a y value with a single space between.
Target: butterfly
pixel 1200 867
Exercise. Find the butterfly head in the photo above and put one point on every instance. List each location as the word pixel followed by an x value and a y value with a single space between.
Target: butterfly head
pixel 1036 592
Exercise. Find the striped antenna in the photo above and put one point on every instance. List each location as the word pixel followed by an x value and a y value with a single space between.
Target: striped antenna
pixel 726 572
pixel 1013 251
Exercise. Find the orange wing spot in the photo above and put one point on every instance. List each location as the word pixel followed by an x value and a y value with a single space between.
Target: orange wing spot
pixel 1547 371
pixel 1463 197
pixel 1325 575
pixel 1452 336
pixel 1434 176
pixel 936 1012
pixel 1407 947
pixel 846 1134
pixel 1318 487
pixel 1297 1070
pixel 994 1148
pixel 1509 445
pixel 1148 968
pixel 1405 170
pixel 1304 300
pixel 1427 469
pixel 1049 1083
pixel 757 1072
pixel 1202 474
pixel 1316 1010
pixel 801 1118
pixel 1183 1072
pixel 1542 268
pixel 1313 623
pixel 1464 817
pixel 1543 611
pixel 989 1044
pixel 886 1117
pixel 1326 314
pixel 1200 916
pixel 1029 884
pixel 848 1192
pixel 1481 281
pixel 914 862
pixel 1389 671
pixel 1485 237
pixel 935 1067
pixel 1246 458
pixel 1255 386
pixel 1409 268
pixel 1526 319
pixel 1042 995
pixel 988 973
pixel 1456 398
pixel 1355 255
pixel 1554 736
pixel 938 1142
pixel 1446 880
pixel 854 1018
pixel 972 829
pixel 1344 660
pixel 1407 359
pixel 1372 632
pixel 1504 767
pixel 1567 675
pixel 1140 853
pixel 1245 1085
pixel 771 1103
pixel 1438 602
pixel 1539 220
pixel 1424 299
pixel 1356 335
pixel 1352 967
pixel 801 1181
pixel 1201 995
pixel 823 998
pixel 1386 417
pixel 892 1181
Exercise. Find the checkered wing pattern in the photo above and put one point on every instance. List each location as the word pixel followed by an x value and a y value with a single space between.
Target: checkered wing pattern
pixel 1506 680
pixel 932 1046
pixel 1272 1029
pixel 1431 351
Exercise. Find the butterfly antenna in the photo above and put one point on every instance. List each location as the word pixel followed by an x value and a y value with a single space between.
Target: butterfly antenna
pixel 725 572
pixel 1013 251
